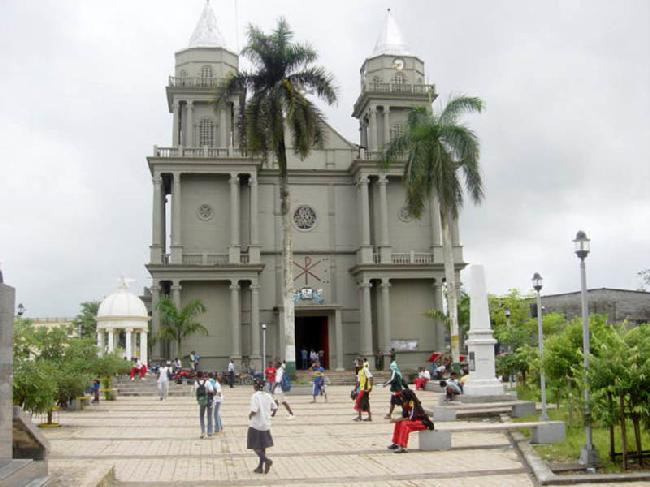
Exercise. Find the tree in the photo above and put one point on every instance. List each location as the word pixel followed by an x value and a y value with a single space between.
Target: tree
pixel 86 320
pixel 645 278
pixel 438 149
pixel 178 324
pixel 277 107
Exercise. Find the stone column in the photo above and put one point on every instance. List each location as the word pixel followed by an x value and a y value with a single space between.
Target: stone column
pixel 366 320
pixel 177 246
pixel 155 317
pixel 111 339
pixel 235 128
pixel 176 293
pixel 100 340
pixel 372 129
pixel 384 244
pixel 338 333
pixel 156 230
pixel 386 124
pixel 7 303
pixel 129 349
pixel 223 126
pixel 455 234
pixel 235 316
pixel 234 257
pixel 175 123
pixel 144 347
pixel 189 125
pixel 385 313
pixel 254 247
pixel 364 208
pixel 256 353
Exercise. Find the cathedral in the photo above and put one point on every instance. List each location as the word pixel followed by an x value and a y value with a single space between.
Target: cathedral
pixel 365 272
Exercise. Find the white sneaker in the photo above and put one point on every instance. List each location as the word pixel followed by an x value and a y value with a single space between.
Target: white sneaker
pixel 290 416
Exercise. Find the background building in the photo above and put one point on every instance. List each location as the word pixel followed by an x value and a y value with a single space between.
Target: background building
pixel 364 271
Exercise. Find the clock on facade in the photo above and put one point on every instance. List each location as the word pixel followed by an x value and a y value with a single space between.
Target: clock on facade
pixel 398 64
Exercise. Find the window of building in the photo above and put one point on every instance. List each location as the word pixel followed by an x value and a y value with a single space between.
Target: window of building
pixel 396 130
pixel 206 133
pixel 206 75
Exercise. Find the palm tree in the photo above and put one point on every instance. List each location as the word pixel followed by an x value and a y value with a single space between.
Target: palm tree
pixel 275 108
pixel 86 320
pixel 438 149
pixel 178 324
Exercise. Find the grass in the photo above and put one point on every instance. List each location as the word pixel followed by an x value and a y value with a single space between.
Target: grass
pixel 569 450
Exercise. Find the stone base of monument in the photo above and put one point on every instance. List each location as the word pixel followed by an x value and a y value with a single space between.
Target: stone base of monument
pixel 465 399
pixel 442 414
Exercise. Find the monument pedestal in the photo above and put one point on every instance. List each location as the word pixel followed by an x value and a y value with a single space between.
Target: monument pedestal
pixel 482 379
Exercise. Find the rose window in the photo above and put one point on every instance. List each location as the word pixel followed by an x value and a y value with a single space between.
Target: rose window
pixel 304 217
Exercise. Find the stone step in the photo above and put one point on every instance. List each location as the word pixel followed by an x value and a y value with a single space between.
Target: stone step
pixel 21 472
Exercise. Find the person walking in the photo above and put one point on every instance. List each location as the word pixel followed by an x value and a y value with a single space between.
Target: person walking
pixel 278 391
pixel 396 386
pixel 269 375
pixel 193 360
pixel 317 381
pixel 259 438
pixel 362 401
pixel 414 418
pixel 204 397
pixel 216 403
pixel 162 378
pixel 231 373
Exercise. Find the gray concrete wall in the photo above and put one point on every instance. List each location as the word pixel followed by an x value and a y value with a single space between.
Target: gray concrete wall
pixel 7 302
pixel 617 304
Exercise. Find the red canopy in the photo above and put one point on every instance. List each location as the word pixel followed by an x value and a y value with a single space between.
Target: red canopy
pixel 436 355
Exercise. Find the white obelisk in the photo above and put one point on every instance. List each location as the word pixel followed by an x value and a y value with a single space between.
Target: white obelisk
pixel 482 379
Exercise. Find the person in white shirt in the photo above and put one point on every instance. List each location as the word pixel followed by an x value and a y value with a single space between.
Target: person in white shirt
pixel 278 393
pixel 259 438
pixel 192 360
pixel 231 373
pixel 163 380
pixel 204 397
pixel 216 404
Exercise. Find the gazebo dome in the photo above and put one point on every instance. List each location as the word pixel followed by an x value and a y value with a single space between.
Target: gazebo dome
pixel 122 309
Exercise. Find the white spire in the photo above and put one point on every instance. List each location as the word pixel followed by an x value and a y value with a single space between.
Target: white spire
pixel 390 40
pixel 206 33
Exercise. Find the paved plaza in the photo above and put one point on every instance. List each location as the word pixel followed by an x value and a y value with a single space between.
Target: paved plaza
pixel 156 443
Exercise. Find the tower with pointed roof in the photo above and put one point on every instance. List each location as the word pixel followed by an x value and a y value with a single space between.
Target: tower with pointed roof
pixel 392 82
pixel 364 272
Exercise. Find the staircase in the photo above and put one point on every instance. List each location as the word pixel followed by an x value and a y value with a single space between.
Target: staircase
pixel 149 387
pixel 344 377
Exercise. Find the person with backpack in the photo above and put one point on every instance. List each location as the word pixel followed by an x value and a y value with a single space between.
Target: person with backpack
pixel 204 397
pixel 216 403
pixel 397 384
pixel 258 437
pixel 162 377
pixel 282 385
pixel 414 418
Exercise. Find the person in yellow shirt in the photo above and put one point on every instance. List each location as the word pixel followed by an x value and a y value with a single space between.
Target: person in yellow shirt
pixel 362 401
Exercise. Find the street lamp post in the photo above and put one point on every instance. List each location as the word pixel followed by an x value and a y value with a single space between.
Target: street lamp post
pixel 21 310
pixel 588 454
pixel 263 345
pixel 537 286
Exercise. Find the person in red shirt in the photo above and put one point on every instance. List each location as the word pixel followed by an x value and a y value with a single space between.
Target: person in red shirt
pixel 269 374
pixel 414 418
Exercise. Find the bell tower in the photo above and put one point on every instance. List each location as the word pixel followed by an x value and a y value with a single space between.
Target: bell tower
pixel 199 69
pixel 392 82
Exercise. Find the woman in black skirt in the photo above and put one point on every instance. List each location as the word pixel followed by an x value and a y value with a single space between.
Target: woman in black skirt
pixel 263 408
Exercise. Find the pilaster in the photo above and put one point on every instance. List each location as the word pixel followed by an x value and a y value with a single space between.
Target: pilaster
pixel 189 125
pixel 129 350
pixel 223 126
pixel 156 231
pixel 365 250
pixel 366 320
pixel 144 347
pixel 176 246
pixel 100 340
pixel 386 124
pixel 385 314
pixel 255 326
pixel 235 318
pixel 155 315
pixel 254 247
pixel 372 129
pixel 175 122
pixel 385 249
pixel 235 248
pixel 176 293
pixel 338 334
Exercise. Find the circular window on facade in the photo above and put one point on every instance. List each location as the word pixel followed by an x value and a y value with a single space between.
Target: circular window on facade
pixel 205 212
pixel 404 215
pixel 304 218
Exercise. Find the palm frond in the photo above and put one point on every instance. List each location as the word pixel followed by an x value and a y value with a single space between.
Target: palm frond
pixel 317 79
pixel 458 106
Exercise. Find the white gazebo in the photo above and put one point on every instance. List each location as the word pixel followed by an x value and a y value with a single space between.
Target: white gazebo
pixel 123 310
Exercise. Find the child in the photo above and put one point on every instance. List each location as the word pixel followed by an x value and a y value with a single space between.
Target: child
pixel 318 381
pixel 259 438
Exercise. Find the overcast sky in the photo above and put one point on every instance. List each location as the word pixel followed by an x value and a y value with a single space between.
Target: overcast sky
pixel 565 133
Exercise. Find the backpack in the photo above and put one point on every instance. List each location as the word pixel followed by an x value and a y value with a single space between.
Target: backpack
pixel 201 394
pixel 285 384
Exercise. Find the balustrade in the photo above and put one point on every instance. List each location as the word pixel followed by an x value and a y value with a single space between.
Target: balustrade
pixel 193 82
pixel 200 152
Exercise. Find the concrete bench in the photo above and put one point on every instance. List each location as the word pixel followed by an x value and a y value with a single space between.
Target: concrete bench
pixel 517 409
pixel 541 432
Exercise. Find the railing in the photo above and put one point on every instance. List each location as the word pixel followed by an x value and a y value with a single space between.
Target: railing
pixel 186 82
pixel 407 88
pixel 205 259
pixel 244 258
pixel 198 152
pixel 376 258
pixel 412 258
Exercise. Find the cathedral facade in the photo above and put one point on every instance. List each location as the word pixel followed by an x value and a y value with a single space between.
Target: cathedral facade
pixel 365 273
